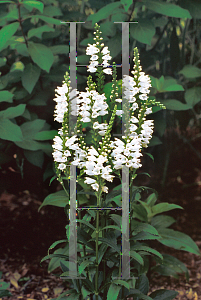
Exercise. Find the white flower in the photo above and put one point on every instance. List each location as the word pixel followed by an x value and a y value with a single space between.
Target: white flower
pixel 61 166
pixel 92 49
pixel 107 71
pixel 95 186
pixel 105 189
pixel 89 180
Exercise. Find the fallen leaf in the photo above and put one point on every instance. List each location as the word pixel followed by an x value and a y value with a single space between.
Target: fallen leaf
pixel 44 290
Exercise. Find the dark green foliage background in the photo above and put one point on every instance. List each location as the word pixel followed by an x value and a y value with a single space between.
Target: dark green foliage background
pixel 34 56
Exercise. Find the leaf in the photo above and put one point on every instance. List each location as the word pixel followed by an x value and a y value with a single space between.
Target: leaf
pixel 193 6
pixel 162 221
pixel 171 265
pixel 6 96
pixel 173 104
pixel 110 226
pixel 48 20
pixel 137 257
pixel 108 242
pixel 103 13
pixel 30 4
pixel 138 227
pixel 140 247
pixel 114 43
pixel 13 112
pixel 61 254
pixel 10 131
pixel 7 32
pixel 139 212
pixel 178 240
pixel 30 76
pixel 30 128
pixel 61 49
pixel 161 207
pixel 56 243
pixel 17 66
pixel 155 141
pixel 190 71
pixel 45 135
pixel 143 31
pixel 39 31
pixel 144 236
pixel 121 282
pixel 52 11
pixel 41 55
pixel 36 158
pixel 3 61
pixel 83 265
pixel 163 295
pixel 117 219
pixel 193 96
pixel 136 292
pixel 126 4
pixel 167 9
pixel 113 292
pixel 86 223
pixel 59 199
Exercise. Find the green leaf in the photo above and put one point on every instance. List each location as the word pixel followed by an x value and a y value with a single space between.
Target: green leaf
pixel 114 43
pixel 141 236
pixel 41 55
pixel 193 96
pixel 103 13
pixel 85 223
pixel 110 226
pixel 190 71
pixel 6 96
pixel 3 61
pixel 108 242
pixel 143 31
pixel 137 257
pixel 161 207
pixel 45 135
pixel 52 11
pixel 30 4
pixel 167 9
pixel 117 219
pixel 135 292
pixel 48 20
pixel 163 295
pixel 178 240
pixel 139 212
pixel 10 131
pixel 140 247
pixel 171 266
pixel 30 76
pixel 13 112
pixel 126 4
pixel 36 158
pixel 30 128
pixel 173 104
pixel 113 292
pixel 56 243
pixel 193 6
pixel 17 66
pixel 83 266
pixel 151 200
pixel 155 141
pixel 162 221
pixel 61 49
pixel 59 199
pixel 138 227
pixel 7 32
pixel 39 31
pixel 121 282
pixel 59 255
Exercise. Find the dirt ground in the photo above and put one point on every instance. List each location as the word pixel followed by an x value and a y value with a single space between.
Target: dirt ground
pixel 26 234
